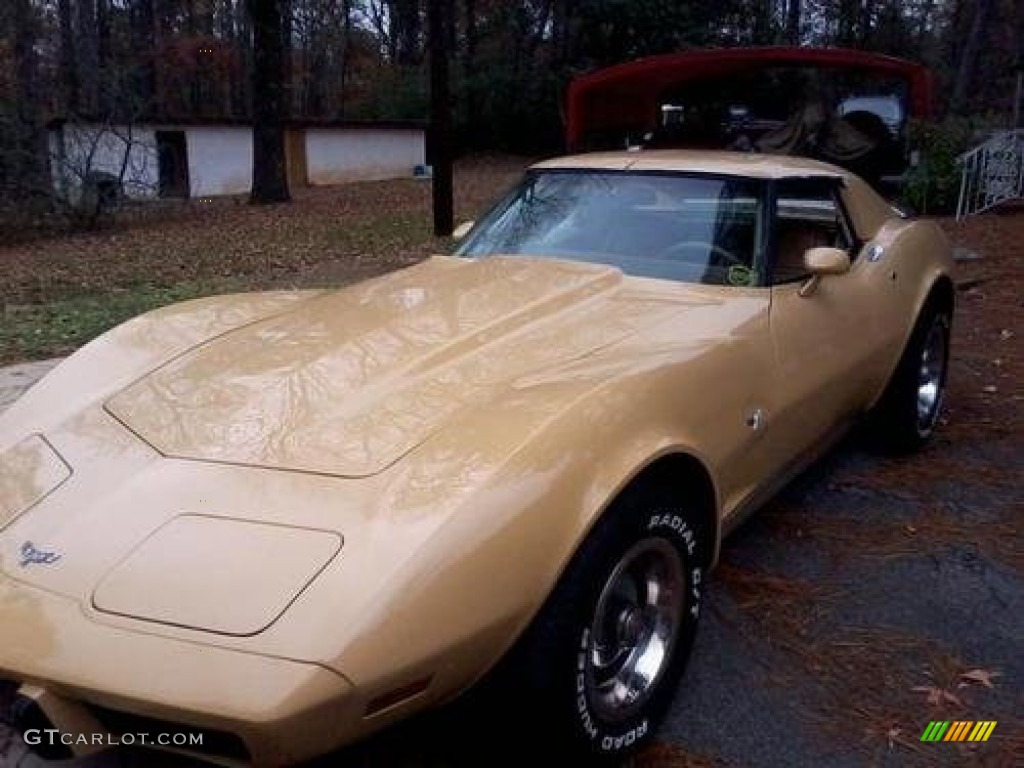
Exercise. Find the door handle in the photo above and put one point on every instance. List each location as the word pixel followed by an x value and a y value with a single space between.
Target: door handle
pixel 755 419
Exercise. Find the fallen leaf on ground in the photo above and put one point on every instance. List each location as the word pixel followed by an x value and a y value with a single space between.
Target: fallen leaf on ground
pixel 937 696
pixel 980 676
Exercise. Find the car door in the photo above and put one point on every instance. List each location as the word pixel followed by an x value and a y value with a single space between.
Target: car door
pixel 825 336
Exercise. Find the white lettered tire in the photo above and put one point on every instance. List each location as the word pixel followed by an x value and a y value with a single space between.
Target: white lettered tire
pixel 601 663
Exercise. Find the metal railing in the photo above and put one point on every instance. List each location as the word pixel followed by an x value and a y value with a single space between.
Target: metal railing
pixel 991 173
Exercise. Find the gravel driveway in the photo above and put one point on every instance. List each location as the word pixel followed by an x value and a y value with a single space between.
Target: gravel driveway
pixel 15 379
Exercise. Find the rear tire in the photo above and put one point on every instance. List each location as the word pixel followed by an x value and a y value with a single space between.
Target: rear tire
pixel 908 412
pixel 601 663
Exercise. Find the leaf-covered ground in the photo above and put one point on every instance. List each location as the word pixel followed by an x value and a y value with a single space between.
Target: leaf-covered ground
pixel 58 293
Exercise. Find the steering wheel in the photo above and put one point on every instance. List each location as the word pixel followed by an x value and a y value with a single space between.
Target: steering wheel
pixel 728 257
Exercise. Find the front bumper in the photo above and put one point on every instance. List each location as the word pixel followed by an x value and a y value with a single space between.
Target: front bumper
pixel 283 711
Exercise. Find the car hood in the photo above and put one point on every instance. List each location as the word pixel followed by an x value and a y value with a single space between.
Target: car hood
pixel 348 382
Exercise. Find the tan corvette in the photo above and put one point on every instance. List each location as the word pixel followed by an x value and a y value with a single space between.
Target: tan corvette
pixel 275 523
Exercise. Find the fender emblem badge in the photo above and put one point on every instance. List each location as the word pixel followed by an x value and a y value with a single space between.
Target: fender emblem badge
pixel 31 555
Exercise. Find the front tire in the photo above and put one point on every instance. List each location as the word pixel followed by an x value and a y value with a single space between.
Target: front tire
pixel 908 412
pixel 603 659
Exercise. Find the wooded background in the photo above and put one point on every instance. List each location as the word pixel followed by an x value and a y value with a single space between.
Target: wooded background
pixel 184 60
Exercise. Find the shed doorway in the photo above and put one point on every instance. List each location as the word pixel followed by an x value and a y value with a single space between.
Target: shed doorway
pixel 172 155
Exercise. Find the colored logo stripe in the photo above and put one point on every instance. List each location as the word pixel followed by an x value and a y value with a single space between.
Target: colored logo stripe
pixel 982 731
pixel 958 730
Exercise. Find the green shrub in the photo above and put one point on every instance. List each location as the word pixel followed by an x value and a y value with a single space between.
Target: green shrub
pixel 932 186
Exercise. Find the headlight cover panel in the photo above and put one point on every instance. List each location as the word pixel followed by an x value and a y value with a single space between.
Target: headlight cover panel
pixel 215 574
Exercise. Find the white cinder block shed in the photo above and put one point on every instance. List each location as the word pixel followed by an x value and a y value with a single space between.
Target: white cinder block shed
pixel 148 161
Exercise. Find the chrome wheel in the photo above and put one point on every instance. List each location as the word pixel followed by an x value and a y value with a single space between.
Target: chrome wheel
pixel 634 630
pixel 931 377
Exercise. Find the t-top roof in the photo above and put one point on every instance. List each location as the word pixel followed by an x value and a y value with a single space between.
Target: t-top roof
pixel 868 213
pixel 749 164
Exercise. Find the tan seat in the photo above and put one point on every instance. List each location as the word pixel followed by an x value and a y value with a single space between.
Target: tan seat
pixel 794 239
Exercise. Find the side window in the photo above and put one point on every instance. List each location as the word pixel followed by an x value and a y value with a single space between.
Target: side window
pixel 808 215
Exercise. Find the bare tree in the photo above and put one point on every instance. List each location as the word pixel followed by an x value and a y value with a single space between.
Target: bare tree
pixel 269 171
pixel 793 13
pixel 68 59
pixel 104 55
pixel 87 56
pixel 969 55
pixel 406 16
pixel 440 15
pixel 96 167
pixel 142 17
pixel 346 11
pixel 25 136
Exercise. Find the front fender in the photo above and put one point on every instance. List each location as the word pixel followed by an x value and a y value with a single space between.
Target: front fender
pixel 513 521
pixel 926 257
pixel 923 256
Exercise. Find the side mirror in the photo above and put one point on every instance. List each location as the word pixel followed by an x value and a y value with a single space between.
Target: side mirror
pixel 823 261
pixel 462 230
pixel 826 261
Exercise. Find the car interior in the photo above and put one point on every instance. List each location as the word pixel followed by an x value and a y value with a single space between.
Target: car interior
pixel 805 221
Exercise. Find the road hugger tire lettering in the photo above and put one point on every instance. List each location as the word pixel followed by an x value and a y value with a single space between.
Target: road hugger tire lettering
pixel 642 536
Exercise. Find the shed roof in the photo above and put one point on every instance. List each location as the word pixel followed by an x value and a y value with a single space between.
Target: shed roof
pixel 202 122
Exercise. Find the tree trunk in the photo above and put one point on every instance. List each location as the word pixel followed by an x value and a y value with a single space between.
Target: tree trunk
pixel 407 29
pixel 924 19
pixel 969 56
pixel 313 94
pixel 440 116
pixel 103 69
pixel 269 173
pixel 27 143
pixel 163 29
pixel 346 10
pixel 285 7
pixel 469 73
pixel 472 33
pixel 68 69
pixel 110 90
pixel 227 32
pixel 88 58
pixel 143 40
pixel 793 22
pixel 848 13
pixel 867 15
pixel 241 94
pixel 536 36
pixel 204 18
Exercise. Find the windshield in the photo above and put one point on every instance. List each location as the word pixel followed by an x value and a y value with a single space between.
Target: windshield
pixel 691 228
